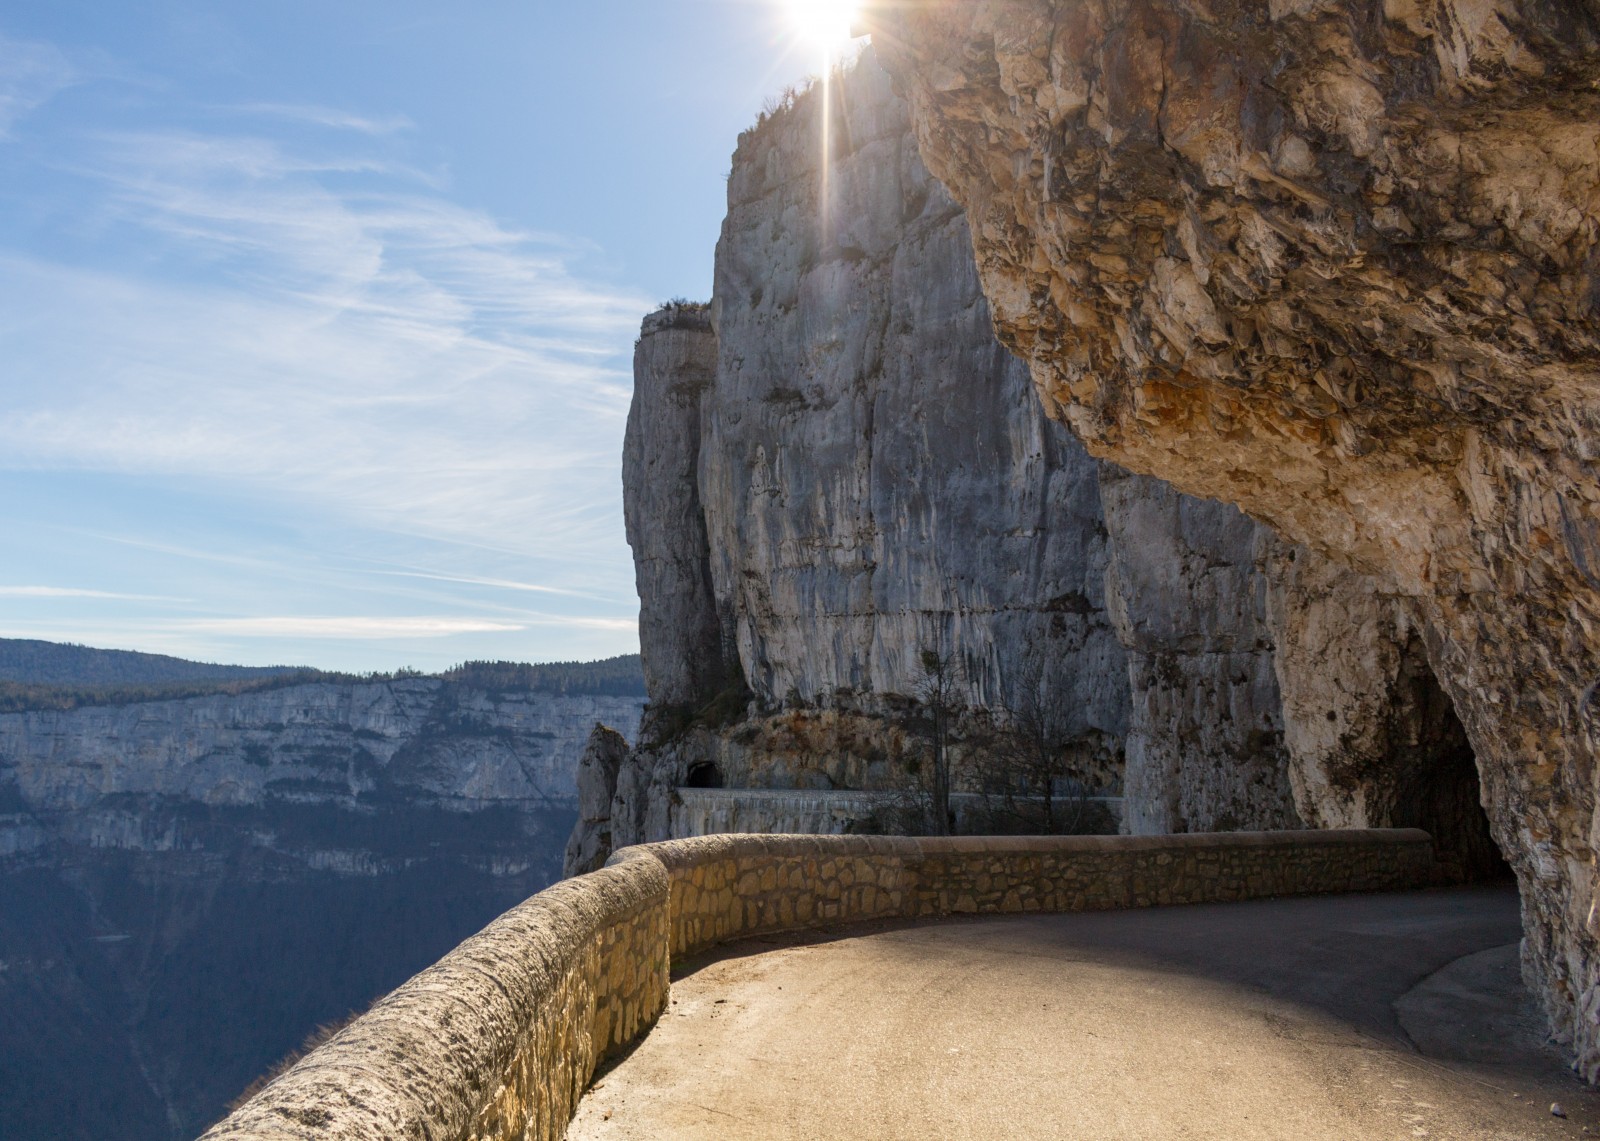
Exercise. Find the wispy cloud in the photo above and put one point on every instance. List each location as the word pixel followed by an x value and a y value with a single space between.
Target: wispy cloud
pixel 384 627
pixel 580 622
pixel 340 335
pixel 75 592
pixel 498 583
pixel 345 627
pixel 326 401
pixel 330 117
pixel 30 73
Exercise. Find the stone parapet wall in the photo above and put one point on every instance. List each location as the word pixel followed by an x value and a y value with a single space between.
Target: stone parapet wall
pixel 837 812
pixel 728 887
pixel 500 1037
pixel 1099 873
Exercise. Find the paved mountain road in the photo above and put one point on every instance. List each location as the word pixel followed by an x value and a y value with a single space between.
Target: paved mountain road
pixel 1359 1016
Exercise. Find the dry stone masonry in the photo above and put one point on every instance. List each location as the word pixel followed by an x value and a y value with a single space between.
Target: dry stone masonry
pixel 727 887
pixel 499 1038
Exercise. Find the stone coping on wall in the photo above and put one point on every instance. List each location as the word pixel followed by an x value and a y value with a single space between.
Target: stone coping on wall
pixel 499 1038
pixel 832 811
pixel 728 887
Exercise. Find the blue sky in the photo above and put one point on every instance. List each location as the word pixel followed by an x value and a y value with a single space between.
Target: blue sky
pixel 316 319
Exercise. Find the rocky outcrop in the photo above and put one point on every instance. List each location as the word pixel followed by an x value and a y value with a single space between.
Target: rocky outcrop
pixel 1374 739
pixel 866 473
pixel 840 538
pixel 876 474
pixel 1338 265
pixel 1205 748
pixel 188 887
pixel 681 640
pixel 590 843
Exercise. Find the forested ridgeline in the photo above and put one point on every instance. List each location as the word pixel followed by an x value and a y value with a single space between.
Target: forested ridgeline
pixel 38 675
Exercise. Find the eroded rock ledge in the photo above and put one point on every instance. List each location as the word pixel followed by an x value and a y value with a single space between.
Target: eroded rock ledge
pixel 1335 263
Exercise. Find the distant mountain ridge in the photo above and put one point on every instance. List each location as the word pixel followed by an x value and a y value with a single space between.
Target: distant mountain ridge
pixel 33 662
pixel 37 675
pixel 195 873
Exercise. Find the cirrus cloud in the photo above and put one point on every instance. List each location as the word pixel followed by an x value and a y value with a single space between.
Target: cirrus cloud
pixel 30 74
pixel 347 627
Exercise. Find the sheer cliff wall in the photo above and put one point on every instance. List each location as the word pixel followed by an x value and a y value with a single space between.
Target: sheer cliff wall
pixel 835 464
pixel 798 539
pixel 1339 264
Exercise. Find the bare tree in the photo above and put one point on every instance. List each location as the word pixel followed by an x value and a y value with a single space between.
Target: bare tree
pixel 1030 753
pixel 1039 735
pixel 938 694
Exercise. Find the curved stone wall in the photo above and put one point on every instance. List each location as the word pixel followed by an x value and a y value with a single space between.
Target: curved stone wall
pixel 500 1037
pixel 728 887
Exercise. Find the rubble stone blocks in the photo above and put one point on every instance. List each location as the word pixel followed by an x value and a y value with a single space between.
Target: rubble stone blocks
pixel 500 1037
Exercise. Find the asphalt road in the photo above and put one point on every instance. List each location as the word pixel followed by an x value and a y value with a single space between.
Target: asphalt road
pixel 1360 1016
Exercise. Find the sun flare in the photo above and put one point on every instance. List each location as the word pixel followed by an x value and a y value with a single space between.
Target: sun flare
pixel 824 24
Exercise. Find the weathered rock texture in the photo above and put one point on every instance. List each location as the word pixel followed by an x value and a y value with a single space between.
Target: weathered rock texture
pixel 681 639
pixel 877 474
pixel 324 744
pixel 188 887
pixel 590 843
pixel 1205 750
pixel 1374 740
pixel 1336 264
pixel 497 1040
pixel 865 473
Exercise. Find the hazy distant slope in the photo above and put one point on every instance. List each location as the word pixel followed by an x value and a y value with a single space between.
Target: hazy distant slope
pixel 621 676
pixel 56 676
pixel 189 886
pixel 57 663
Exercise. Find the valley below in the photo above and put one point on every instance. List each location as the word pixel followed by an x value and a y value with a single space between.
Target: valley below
pixel 189 888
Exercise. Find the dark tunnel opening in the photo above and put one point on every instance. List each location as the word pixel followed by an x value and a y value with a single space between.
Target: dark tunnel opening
pixel 703 774
pixel 1436 785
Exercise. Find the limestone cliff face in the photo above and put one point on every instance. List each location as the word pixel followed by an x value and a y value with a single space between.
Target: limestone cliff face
pixel 876 473
pixel 1205 748
pixel 590 844
pixel 1338 265
pixel 681 639
pixel 840 533
pixel 1374 740
pixel 188 887
pixel 322 744
pixel 864 472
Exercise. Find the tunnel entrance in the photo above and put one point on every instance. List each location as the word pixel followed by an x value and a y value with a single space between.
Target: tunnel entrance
pixel 1434 775
pixel 703 774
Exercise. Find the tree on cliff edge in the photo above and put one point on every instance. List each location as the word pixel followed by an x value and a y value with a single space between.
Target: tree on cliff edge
pixel 937 694
pixel 1037 743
